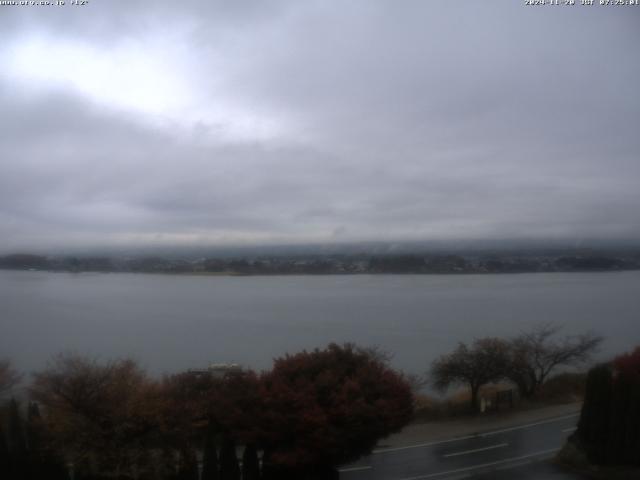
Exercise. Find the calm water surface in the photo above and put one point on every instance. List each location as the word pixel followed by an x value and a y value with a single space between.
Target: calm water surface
pixel 171 323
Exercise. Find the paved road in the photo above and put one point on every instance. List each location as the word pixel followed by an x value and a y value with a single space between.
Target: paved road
pixel 539 470
pixel 506 453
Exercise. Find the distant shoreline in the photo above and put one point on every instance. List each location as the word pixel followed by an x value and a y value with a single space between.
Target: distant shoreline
pixel 302 274
pixel 338 264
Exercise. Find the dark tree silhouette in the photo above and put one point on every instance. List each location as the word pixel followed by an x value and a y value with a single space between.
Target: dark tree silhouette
pixel 609 427
pixel 35 443
pixel 5 460
pixel 17 442
pixel 34 430
pixel 537 353
pixel 625 421
pixel 186 403
pixel 485 361
pixel 43 462
pixel 593 427
pixel 237 406
pixel 250 463
pixel 229 468
pixel 8 377
pixel 199 401
pixel 202 405
pixel 210 457
pixel 187 465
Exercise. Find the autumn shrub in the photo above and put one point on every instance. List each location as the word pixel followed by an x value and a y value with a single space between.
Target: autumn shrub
pixel 327 407
pixel 311 412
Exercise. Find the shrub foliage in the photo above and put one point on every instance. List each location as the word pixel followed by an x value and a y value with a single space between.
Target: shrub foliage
pixel 98 420
pixel 609 427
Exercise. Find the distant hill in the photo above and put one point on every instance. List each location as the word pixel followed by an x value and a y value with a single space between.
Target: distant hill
pixel 314 263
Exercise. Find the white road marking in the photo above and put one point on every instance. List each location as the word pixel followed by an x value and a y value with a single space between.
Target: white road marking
pixel 492 447
pixel 572 429
pixel 355 469
pixel 468 437
pixel 420 445
pixel 519 427
pixel 482 465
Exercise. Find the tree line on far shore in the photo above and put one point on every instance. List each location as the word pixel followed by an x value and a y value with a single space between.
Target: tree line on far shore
pixel 336 264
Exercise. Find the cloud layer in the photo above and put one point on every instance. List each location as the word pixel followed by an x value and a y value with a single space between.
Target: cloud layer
pixel 135 123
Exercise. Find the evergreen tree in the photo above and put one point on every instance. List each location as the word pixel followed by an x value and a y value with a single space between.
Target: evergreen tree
pixel 609 427
pixel 593 428
pixel 210 458
pixel 619 426
pixel 627 398
pixel 229 468
pixel 5 463
pixel 250 464
pixel 632 441
pixel 17 443
pixel 167 465
pixel 188 466
pixel 43 461
pixel 35 442
pixel 624 444
pixel 34 437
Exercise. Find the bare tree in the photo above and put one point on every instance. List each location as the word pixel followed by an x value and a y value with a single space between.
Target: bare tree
pixel 537 353
pixel 8 377
pixel 378 352
pixel 486 361
pixel 416 382
pixel 103 414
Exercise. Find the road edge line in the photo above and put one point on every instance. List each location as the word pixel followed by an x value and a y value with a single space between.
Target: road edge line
pixel 474 435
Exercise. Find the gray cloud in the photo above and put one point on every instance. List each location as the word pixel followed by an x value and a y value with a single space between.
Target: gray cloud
pixel 317 121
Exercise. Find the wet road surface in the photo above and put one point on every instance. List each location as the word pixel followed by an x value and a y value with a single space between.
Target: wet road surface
pixel 514 452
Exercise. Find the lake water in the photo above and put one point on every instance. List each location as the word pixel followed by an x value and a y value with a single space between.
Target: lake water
pixel 171 322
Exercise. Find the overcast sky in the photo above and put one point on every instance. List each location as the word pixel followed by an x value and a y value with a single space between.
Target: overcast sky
pixel 248 122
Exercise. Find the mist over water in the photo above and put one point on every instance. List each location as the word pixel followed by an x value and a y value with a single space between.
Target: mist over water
pixel 170 323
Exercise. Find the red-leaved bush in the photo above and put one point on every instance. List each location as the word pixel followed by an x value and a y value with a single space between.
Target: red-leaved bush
pixel 628 364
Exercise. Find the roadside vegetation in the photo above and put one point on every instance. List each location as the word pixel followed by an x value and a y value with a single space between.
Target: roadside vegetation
pixel 110 420
pixel 310 413
pixel 607 441
pixel 523 367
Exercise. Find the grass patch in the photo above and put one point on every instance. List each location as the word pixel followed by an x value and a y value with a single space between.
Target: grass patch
pixel 559 389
